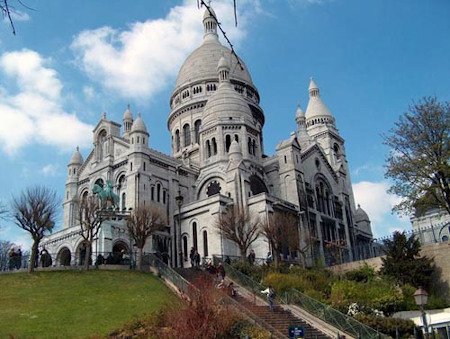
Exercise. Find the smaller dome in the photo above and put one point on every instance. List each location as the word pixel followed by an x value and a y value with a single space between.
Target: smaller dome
pixel 361 215
pixel 127 115
pixel 208 13
pixel 139 125
pixel 223 63
pixel 299 113
pixel 76 159
pixel 235 148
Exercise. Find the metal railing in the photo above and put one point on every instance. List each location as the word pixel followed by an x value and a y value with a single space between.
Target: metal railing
pixel 168 273
pixel 326 313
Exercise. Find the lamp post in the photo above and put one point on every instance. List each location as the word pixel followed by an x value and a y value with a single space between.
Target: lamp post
pixel 179 200
pixel 421 298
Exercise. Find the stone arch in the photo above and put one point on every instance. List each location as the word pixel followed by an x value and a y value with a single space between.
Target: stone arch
pixel 80 253
pixel 64 257
pixel 202 186
pixel 257 185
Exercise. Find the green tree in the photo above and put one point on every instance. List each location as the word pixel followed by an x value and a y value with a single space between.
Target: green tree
pixel 418 162
pixel 403 261
pixel 34 210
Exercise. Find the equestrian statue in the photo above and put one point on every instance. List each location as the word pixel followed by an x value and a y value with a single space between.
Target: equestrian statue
pixel 106 194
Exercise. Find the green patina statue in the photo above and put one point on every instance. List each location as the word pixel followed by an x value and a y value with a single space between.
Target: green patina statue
pixel 106 194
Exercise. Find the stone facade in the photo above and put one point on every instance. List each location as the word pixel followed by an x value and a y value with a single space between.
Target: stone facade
pixel 218 160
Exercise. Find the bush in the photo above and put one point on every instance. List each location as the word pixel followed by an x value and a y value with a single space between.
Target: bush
pixel 363 274
pixel 374 295
pixel 313 283
pixel 389 326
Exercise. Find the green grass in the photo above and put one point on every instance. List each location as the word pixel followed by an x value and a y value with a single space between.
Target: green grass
pixel 76 304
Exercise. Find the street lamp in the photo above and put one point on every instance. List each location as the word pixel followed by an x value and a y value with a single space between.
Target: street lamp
pixel 179 200
pixel 421 298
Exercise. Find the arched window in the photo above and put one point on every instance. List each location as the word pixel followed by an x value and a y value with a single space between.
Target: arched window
pixel 123 201
pixel 236 137
pixel 100 182
pixel 185 248
pixel 197 125
pixel 152 193
pixel 208 149
pixel 214 146
pixel 158 192
pixel 102 144
pixel 249 144
pixel 187 134
pixel 254 147
pixel 227 142
pixel 205 243
pixel 194 235
pixel 177 140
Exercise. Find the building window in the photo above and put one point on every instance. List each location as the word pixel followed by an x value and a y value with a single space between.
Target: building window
pixel 185 246
pixel 144 165
pixel 194 235
pixel 227 142
pixel 187 135
pixel 214 146
pixel 158 192
pixel 197 125
pixel 208 149
pixel 123 201
pixel 205 243
pixel 177 140
pixel 131 166
pixel 152 193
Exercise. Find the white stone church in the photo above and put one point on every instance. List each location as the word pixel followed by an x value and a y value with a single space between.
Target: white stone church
pixel 218 160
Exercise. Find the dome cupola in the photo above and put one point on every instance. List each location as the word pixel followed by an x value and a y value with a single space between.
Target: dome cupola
pixel 76 158
pixel 139 125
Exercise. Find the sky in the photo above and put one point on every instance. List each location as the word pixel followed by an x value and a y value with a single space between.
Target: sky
pixel 70 61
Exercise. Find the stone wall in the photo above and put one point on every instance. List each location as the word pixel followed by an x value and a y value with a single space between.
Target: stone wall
pixel 440 252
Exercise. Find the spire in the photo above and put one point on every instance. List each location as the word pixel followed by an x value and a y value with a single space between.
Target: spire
pixel 316 108
pixel 299 113
pixel 210 25
pixel 313 89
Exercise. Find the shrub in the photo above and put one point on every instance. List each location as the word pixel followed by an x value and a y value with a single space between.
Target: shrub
pixel 362 274
pixel 373 295
pixel 389 326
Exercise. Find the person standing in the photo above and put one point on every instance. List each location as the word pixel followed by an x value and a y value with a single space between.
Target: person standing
pixel 270 296
pixel 251 257
pixel 192 256
pixel 197 259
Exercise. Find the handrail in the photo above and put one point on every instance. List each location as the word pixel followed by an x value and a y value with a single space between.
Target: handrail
pixel 184 285
pixel 167 272
pixel 322 311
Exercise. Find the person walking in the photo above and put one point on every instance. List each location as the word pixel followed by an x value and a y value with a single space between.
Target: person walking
pixel 251 257
pixel 197 259
pixel 270 296
pixel 221 271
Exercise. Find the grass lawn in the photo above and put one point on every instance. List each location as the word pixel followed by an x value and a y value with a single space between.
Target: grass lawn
pixel 76 304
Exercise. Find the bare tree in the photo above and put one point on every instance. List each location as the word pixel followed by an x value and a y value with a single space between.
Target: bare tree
pixel 144 221
pixel 239 226
pixel 34 210
pixel 419 159
pixel 90 220
pixel 8 10
pixel 3 211
pixel 281 230
pixel 5 248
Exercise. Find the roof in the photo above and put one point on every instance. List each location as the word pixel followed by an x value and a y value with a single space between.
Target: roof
pixel 139 125
pixel 77 158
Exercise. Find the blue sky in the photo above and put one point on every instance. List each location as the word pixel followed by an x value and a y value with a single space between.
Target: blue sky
pixel 72 60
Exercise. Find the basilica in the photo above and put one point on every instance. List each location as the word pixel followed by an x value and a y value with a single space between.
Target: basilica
pixel 218 160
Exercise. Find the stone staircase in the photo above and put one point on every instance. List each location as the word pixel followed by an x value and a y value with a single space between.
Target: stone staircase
pixel 280 319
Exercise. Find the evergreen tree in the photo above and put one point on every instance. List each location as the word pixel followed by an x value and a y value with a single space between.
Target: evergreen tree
pixel 403 261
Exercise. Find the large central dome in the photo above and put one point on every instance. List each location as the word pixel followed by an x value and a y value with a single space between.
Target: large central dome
pixel 202 65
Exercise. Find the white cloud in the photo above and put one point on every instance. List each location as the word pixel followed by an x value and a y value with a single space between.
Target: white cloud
pixel 143 60
pixel 34 114
pixel 89 92
pixel 50 170
pixel 374 199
